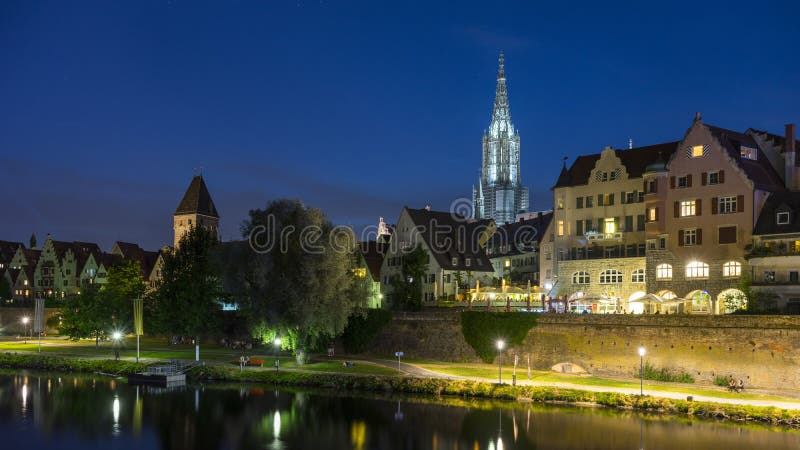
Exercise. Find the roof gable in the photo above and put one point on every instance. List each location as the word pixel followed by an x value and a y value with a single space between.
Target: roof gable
pixel 197 200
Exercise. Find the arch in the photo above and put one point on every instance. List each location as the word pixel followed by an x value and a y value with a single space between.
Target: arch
pixel 732 269
pixel 696 269
pixel 581 277
pixel 664 272
pixel 610 276
pixel 700 301
pixel 667 294
pixel 732 300
pixel 636 296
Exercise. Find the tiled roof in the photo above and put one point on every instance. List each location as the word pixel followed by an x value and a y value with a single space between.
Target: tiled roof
pixel 520 236
pixel 373 253
pixel 7 250
pixel 451 236
pixel 759 171
pixel 779 202
pixel 635 161
pixel 197 200
pixel 31 256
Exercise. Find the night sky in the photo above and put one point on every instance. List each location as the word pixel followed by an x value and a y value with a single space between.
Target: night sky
pixel 107 108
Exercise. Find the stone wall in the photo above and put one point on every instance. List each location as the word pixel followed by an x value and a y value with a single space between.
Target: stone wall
pixel 11 320
pixel 762 350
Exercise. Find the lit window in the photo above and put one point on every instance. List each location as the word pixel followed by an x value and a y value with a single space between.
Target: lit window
pixel 697 269
pixel 652 215
pixel 727 205
pixel 690 236
pixel 783 218
pixel 731 269
pixel 610 276
pixel 24 282
pixel 637 276
pixel 609 225
pixel 688 208
pixel 749 153
pixel 664 272
pixel 769 276
pixel 560 227
pixel 508 263
pixel 580 278
pixel 697 151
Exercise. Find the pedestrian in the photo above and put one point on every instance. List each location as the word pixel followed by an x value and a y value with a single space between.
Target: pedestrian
pixel 731 384
pixel 740 386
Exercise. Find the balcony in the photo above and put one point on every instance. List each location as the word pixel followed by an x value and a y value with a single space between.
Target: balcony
pixel 593 236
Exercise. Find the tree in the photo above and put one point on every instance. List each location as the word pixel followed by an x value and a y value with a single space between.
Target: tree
pixel 299 275
pixel 406 292
pixel 186 298
pixel 125 283
pixel 5 289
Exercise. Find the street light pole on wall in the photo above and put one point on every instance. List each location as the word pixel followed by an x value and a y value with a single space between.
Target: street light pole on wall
pixel 642 352
pixel 500 345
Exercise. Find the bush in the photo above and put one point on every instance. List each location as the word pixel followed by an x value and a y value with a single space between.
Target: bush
pixel 663 374
pixel 720 380
pixel 362 329
pixel 482 329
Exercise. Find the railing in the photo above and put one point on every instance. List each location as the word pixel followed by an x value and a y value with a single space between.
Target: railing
pixel 592 237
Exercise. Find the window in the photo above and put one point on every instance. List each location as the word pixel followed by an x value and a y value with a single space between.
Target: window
pixel 610 276
pixel 664 272
pixel 769 276
pixel 683 182
pixel 640 222
pixel 580 278
pixel 793 277
pixel 641 197
pixel 731 269
pixel 579 227
pixel 713 178
pixel 652 214
pixel 589 201
pixel 652 186
pixel 613 175
pixel 727 205
pixel 629 223
pixel 561 203
pixel 609 225
pixel 468 262
pixel 696 269
pixel 651 244
pixel 604 176
pixel 24 282
pixel 749 153
pixel 697 151
pixel 579 202
pixel 688 208
pixel 455 260
pixel 637 276
pixel 782 218
pixel 507 263
pixel 560 227
pixel 630 197
pixel 727 235
pixel 690 236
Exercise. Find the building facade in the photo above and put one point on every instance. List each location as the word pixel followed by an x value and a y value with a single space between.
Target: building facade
pixel 500 194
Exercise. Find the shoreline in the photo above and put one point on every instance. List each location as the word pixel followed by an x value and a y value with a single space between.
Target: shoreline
pixel 437 387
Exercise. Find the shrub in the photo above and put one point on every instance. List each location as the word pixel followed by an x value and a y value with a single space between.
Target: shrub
pixel 721 380
pixel 362 329
pixel 482 329
pixel 664 374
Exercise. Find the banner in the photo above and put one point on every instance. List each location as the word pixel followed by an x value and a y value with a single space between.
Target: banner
pixel 138 319
pixel 38 316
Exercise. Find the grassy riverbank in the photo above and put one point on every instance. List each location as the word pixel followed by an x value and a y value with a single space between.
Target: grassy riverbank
pixel 425 386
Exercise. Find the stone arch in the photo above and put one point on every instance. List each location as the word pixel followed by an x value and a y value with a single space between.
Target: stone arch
pixel 667 294
pixel 700 302
pixel 731 300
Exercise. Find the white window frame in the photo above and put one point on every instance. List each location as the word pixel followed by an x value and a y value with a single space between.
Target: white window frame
pixel 727 205
pixel 610 276
pixel 785 214
pixel 697 151
pixel 581 277
pixel 748 153
pixel 664 272
pixel 712 181
pixel 696 269
pixel 688 208
pixel 732 269
pixel 637 276
pixel 689 237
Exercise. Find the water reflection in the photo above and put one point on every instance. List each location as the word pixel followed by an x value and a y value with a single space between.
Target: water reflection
pixel 76 414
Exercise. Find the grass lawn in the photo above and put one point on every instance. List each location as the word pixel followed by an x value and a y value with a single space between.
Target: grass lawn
pixel 491 372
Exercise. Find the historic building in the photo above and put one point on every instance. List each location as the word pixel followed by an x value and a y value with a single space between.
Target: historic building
pixel 500 194
pixel 455 246
pixel 196 208
pixel 514 249
pixel 369 259
pixel 598 228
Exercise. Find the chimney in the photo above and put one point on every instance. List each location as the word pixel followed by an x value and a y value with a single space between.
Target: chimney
pixel 790 157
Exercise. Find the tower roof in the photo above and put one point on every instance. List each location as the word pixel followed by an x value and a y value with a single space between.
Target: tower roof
pixel 501 114
pixel 197 200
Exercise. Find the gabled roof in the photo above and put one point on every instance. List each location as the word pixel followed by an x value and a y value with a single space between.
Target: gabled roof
pixel 451 236
pixel 373 253
pixel 635 161
pixel 520 236
pixel 31 256
pixel 107 259
pixel 127 248
pixel 197 200
pixel 8 249
pixel 768 218
pixel 759 171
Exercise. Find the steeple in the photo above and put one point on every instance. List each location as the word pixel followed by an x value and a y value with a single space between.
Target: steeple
pixel 196 209
pixel 501 115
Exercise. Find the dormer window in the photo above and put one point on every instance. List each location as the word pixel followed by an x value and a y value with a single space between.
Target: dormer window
pixel 697 151
pixel 782 218
pixel 455 261
pixel 749 153
pixel 468 262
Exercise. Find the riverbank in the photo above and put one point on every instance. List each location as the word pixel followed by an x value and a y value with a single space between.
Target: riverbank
pixel 425 386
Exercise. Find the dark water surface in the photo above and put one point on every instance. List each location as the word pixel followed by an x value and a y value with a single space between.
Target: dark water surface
pixel 72 412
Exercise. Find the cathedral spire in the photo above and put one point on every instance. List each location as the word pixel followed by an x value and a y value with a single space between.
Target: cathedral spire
pixel 501 115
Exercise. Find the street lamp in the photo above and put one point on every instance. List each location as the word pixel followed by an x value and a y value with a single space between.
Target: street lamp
pixel 25 321
pixel 116 336
pixel 642 351
pixel 277 343
pixel 500 345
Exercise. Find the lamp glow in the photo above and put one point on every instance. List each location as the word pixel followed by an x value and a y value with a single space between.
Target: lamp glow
pixel 500 344
pixel 116 335
pixel 277 342
pixel 642 351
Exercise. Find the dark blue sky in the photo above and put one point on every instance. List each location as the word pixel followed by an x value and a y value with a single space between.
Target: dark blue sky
pixel 355 107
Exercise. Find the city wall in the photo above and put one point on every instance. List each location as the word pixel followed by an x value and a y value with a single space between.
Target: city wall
pixel 764 351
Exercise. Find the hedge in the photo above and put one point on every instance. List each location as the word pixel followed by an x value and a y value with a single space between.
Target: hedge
pixel 362 329
pixel 482 330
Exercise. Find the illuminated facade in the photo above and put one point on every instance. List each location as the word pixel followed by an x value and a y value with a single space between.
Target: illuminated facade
pixel 500 194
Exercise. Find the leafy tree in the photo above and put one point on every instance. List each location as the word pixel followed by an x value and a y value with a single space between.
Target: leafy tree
pixel 125 283
pixel 5 289
pixel 299 275
pixel 406 292
pixel 186 298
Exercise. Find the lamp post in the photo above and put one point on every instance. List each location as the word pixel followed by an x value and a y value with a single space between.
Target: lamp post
pixel 115 337
pixel 641 370
pixel 25 321
pixel 500 345
pixel 277 343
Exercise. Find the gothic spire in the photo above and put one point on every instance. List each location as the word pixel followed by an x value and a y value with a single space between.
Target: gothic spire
pixel 501 116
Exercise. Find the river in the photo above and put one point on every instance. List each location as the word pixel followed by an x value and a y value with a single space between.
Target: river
pixel 79 412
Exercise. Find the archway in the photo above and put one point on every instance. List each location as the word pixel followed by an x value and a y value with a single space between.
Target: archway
pixel 700 302
pixel 667 294
pixel 635 307
pixel 732 300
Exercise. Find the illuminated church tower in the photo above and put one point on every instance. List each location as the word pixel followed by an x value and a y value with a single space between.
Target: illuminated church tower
pixel 500 194
pixel 196 208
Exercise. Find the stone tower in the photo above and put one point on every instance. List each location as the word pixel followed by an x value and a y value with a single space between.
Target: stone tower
pixel 196 208
pixel 500 194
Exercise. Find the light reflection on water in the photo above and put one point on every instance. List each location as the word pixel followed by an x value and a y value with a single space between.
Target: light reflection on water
pixel 90 412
